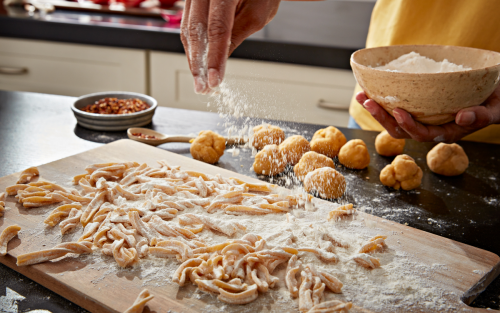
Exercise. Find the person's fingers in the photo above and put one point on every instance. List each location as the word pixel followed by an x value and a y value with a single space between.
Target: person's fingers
pixel 385 119
pixel 251 17
pixel 220 26
pixel 449 132
pixel 480 116
pixel 197 43
pixel 184 27
pixel 361 97
pixel 242 29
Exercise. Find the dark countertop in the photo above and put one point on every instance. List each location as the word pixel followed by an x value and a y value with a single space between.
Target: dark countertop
pixel 319 34
pixel 38 128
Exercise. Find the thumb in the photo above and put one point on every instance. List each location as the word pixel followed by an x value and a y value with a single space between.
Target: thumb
pixel 479 116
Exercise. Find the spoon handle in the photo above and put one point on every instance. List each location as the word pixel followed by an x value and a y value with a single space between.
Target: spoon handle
pixel 235 141
pixel 178 139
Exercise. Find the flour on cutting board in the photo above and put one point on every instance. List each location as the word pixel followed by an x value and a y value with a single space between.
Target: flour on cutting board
pixel 399 284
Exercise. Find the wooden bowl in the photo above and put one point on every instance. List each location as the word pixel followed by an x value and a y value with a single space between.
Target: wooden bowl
pixel 431 98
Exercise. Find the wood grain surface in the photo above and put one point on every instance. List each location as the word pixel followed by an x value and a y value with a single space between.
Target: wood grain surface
pixel 72 278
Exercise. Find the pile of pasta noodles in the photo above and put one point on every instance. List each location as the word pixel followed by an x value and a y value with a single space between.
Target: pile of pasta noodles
pixel 126 211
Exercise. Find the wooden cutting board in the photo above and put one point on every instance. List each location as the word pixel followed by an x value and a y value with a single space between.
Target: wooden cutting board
pixel 468 270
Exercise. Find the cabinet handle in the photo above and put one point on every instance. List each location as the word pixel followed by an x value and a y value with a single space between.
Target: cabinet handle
pixel 332 106
pixel 13 70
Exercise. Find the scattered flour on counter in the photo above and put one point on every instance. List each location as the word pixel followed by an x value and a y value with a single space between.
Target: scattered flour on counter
pixel 413 62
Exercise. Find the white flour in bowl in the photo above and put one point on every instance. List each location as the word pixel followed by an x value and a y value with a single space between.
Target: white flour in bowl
pixel 415 63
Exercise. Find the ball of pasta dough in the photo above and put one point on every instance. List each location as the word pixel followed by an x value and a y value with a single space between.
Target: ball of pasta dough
pixel 386 145
pixel 326 181
pixel 447 159
pixel 293 148
pixel 208 147
pixel 269 161
pixel 264 135
pixel 403 172
pixel 328 141
pixel 309 162
pixel 354 154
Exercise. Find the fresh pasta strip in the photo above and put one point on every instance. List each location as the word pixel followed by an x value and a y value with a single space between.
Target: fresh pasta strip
pixel 84 183
pixel 169 230
pixel 48 186
pixel 305 292
pixel 323 255
pixel 38 201
pixel 71 222
pixel 341 211
pixel 2 203
pixel 89 231
pixel 69 197
pixel 124 256
pixel 291 271
pixel 60 213
pixel 198 174
pixel 221 201
pixel 227 228
pixel 178 247
pixel 6 236
pixel 333 306
pixel 124 193
pixel 180 274
pixel 244 297
pixel 23 194
pixel 375 244
pixel 331 282
pixel 54 253
pixel 366 260
pixel 14 189
pixel 246 210
pixel 317 291
pixel 139 303
pixel 94 167
pixel 93 207
pixel 27 175
pixel 254 187
pixel 195 230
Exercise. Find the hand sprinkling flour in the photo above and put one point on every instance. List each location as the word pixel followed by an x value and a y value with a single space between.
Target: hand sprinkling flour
pixel 211 30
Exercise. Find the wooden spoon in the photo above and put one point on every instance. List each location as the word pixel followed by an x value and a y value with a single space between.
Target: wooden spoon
pixel 162 138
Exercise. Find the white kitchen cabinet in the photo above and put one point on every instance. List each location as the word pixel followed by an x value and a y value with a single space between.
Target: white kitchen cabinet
pixel 70 69
pixel 269 90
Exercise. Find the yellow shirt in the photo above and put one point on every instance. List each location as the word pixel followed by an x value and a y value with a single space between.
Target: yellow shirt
pixel 470 23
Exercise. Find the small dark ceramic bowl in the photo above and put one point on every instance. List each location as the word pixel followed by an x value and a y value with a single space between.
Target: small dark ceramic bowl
pixel 113 122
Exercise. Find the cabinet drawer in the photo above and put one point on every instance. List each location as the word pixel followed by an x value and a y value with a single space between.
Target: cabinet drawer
pixel 269 90
pixel 70 69
pixel 267 98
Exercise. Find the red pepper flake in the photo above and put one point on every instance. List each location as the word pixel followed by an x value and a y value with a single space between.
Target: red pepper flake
pixel 116 106
pixel 144 136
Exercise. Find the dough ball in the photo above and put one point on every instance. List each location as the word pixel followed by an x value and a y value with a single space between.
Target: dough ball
pixel 269 161
pixel 328 141
pixel 403 172
pixel 386 145
pixel 309 162
pixel 447 159
pixel 264 135
pixel 293 148
pixel 326 181
pixel 208 147
pixel 354 154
